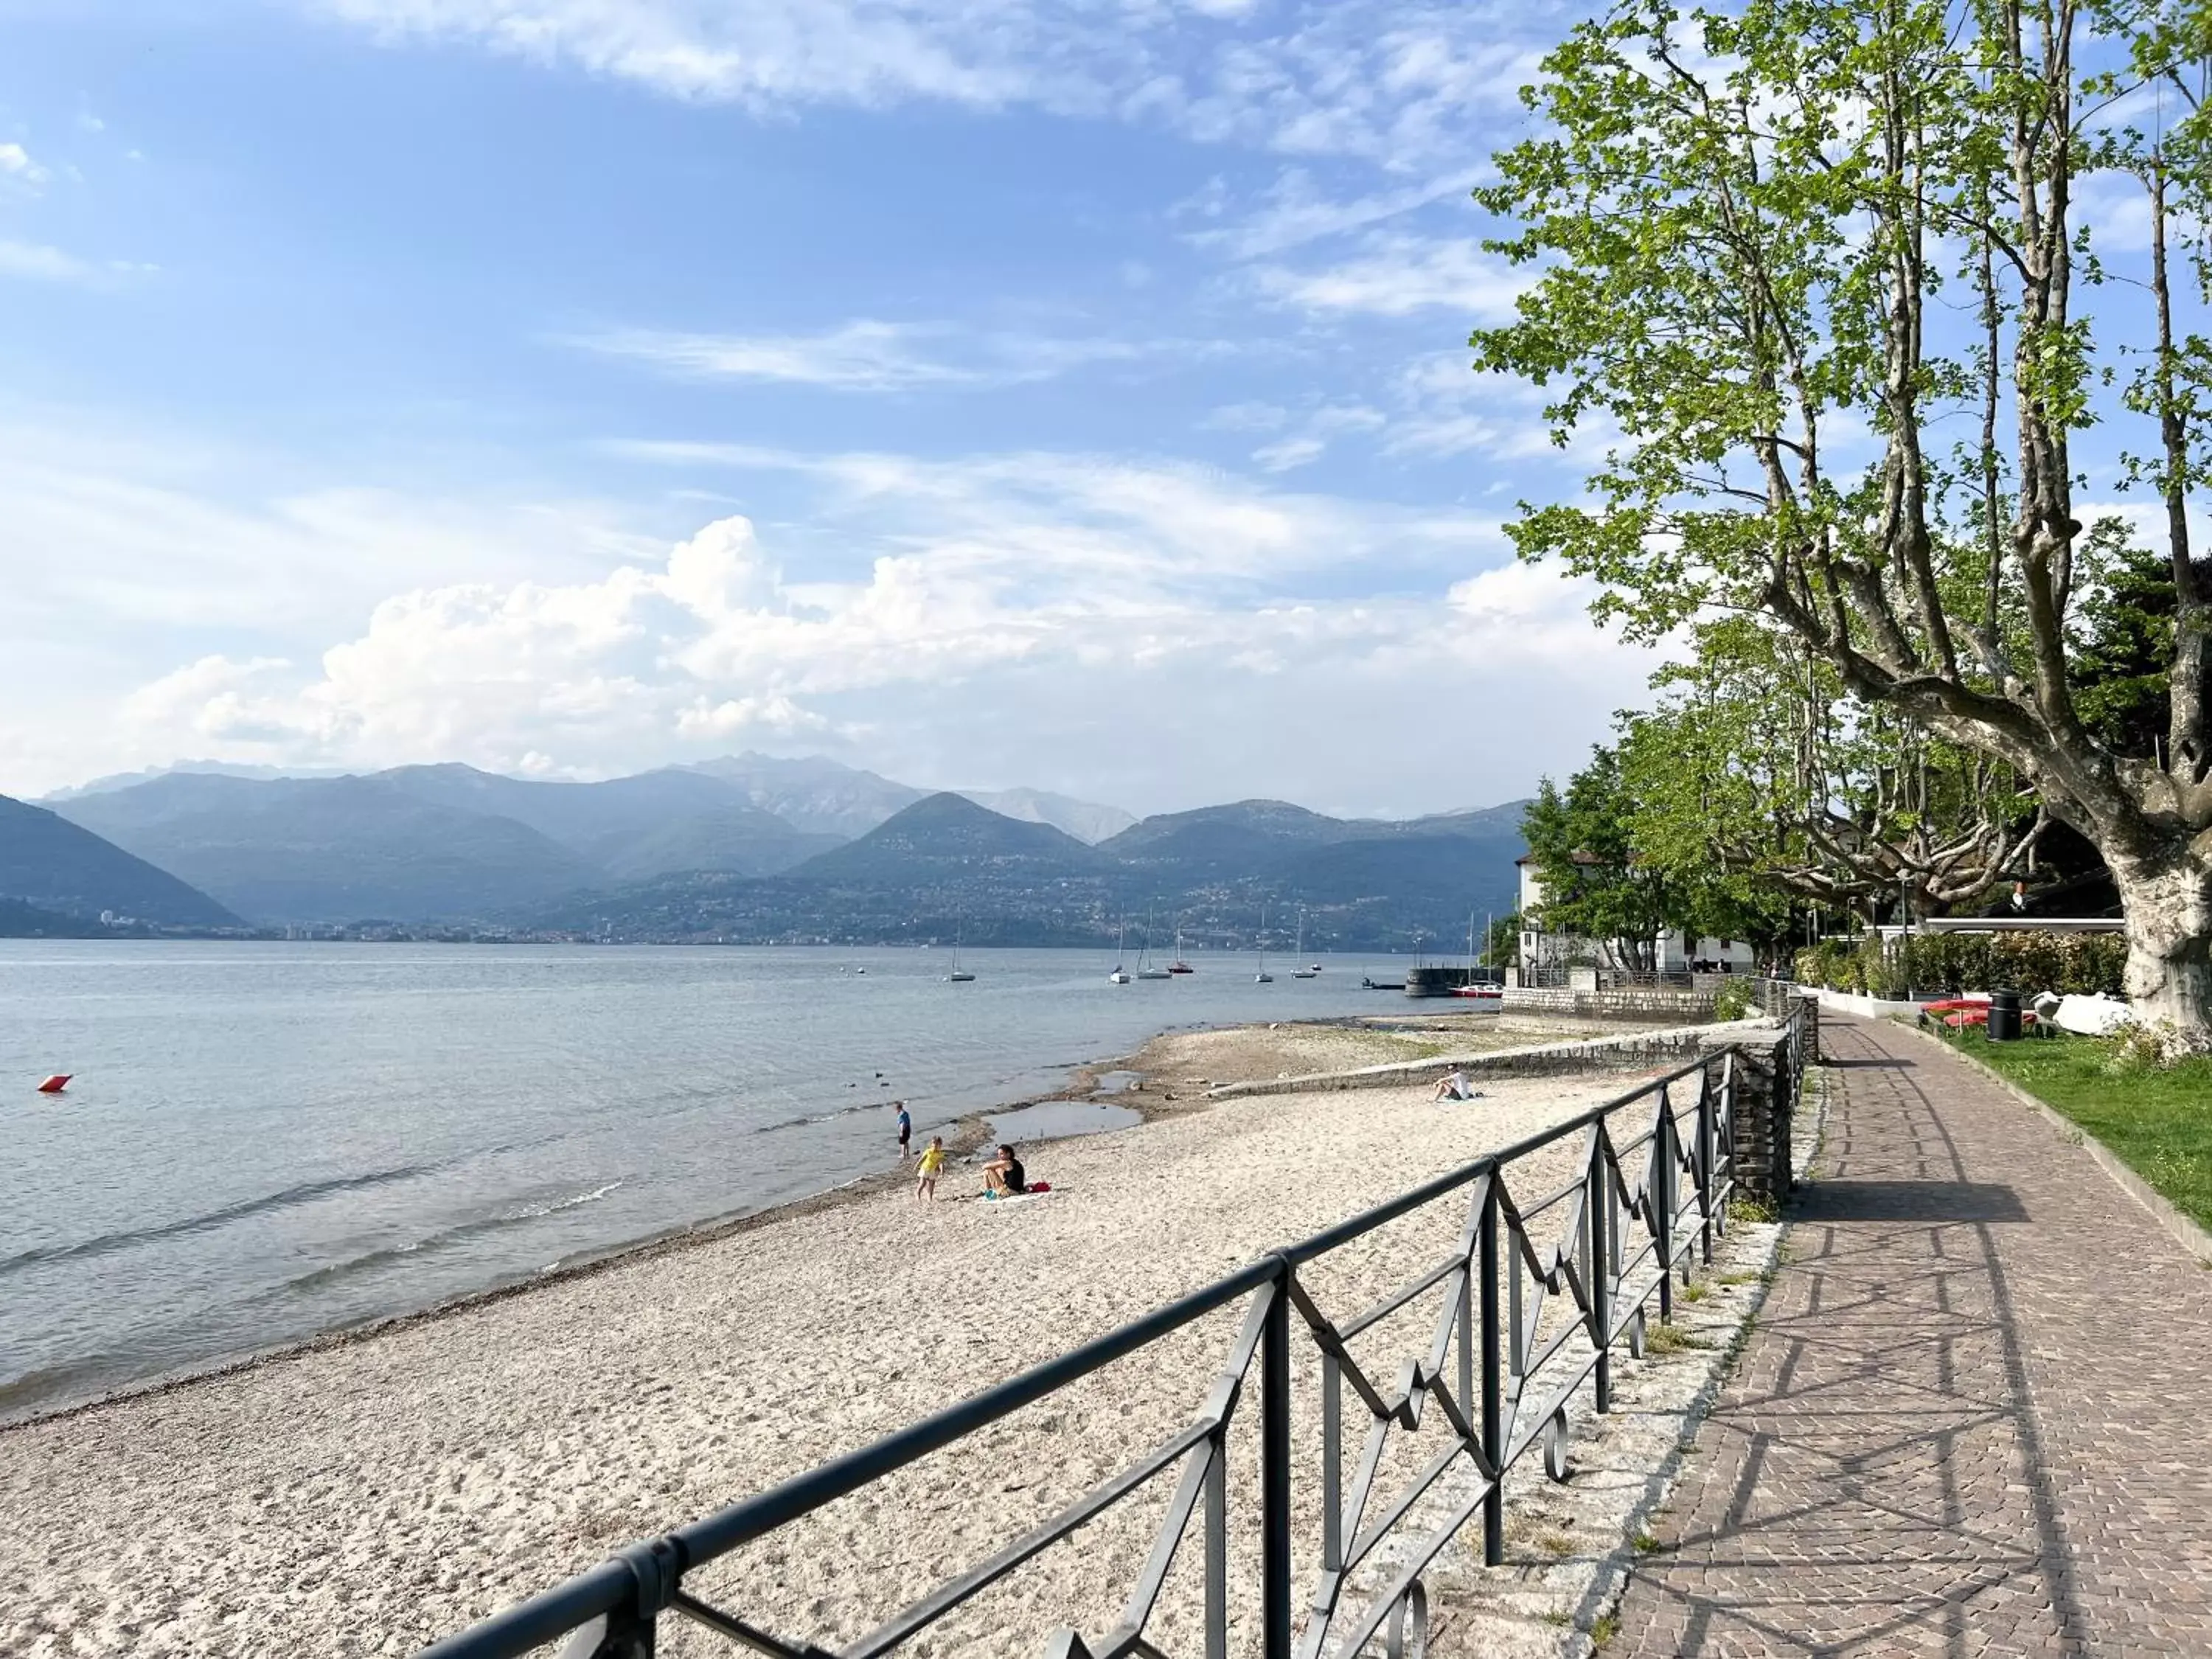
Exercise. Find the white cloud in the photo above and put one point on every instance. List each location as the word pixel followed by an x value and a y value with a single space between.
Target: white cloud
pixel 867 356
pixel 1444 409
pixel 15 164
pixel 1394 83
pixel 37 263
pixel 976 613
pixel 1315 432
pixel 1397 275
pixel 1294 210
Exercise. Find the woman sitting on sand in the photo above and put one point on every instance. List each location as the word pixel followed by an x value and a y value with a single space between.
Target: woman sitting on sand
pixel 1004 1177
pixel 1453 1087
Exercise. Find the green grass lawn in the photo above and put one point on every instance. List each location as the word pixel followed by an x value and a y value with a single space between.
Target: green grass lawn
pixel 2159 1122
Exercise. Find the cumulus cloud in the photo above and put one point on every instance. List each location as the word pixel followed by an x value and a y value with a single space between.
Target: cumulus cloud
pixel 16 165
pixel 1133 628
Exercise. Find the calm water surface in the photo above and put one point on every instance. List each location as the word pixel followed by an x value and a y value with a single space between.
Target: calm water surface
pixel 265 1141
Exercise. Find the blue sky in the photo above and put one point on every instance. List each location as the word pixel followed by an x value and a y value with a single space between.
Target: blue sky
pixel 1009 391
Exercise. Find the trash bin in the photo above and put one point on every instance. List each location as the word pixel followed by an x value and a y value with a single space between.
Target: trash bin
pixel 2004 1016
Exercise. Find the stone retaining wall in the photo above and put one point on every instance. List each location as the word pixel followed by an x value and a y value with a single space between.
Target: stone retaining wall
pixel 1629 1003
pixel 1640 1051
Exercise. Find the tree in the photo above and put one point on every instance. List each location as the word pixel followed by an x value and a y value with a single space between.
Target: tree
pixel 2122 645
pixel 1504 944
pixel 1600 884
pixel 1780 255
pixel 1758 762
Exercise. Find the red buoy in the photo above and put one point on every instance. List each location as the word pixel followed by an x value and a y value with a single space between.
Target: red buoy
pixel 56 1083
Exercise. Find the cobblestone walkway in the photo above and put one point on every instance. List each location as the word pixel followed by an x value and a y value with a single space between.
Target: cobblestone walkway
pixel 1976 1415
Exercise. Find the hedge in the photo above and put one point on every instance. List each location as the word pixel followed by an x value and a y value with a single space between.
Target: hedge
pixel 1925 965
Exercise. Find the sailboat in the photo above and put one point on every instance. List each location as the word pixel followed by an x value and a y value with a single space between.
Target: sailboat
pixel 1298 953
pixel 1145 968
pixel 958 975
pixel 1487 999
pixel 1263 977
pixel 1121 975
pixel 1179 966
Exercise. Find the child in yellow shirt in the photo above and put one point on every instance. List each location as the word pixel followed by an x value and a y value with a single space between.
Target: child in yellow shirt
pixel 932 1160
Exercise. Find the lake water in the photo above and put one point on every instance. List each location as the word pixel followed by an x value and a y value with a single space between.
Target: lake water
pixel 265 1141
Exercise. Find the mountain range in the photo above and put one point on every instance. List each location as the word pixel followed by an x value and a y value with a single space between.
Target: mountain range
pixel 751 848
pixel 56 878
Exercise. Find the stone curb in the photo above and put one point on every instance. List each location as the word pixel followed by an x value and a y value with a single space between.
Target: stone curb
pixel 1607 1575
pixel 1609 1578
pixel 2184 1231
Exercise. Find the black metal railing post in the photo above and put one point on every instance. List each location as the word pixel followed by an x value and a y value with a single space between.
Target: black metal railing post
pixel 657 1567
pixel 1600 1261
pixel 1493 1387
pixel 1275 1472
pixel 1704 1161
pixel 1664 1148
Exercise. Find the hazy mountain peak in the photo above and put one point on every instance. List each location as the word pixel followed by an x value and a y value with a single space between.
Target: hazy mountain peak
pixel 1087 821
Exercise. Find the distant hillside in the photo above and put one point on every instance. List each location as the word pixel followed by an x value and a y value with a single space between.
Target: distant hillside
pixel 820 796
pixel 756 846
pixel 648 824
pixel 815 796
pixel 296 850
pixel 51 865
pixel 22 920
pixel 945 865
pixel 1210 832
pixel 1087 821
pixel 948 835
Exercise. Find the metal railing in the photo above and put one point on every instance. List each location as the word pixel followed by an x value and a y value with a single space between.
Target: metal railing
pixel 1593 1253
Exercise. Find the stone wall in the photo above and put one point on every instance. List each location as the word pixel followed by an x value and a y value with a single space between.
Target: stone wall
pixel 1662 1003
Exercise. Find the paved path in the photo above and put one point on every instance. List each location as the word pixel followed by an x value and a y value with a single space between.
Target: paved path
pixel 1976 1415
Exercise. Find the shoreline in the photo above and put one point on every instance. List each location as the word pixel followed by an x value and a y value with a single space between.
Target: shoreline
pixel 365 1498
pixel 964 1136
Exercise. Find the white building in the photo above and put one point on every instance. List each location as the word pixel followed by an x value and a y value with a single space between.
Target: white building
pixel 1543 952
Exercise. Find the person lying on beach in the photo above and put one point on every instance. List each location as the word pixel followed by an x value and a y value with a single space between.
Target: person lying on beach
pixel 925 1180
pixel 1454 1088
pixel 1004 1174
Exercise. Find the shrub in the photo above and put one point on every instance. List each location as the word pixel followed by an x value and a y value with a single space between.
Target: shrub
pixel 1974 966
pixel 2091 964
pixel 2031 960
pixel 1733 999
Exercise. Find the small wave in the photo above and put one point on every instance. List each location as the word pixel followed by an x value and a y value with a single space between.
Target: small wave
pixel 353 1267
pixel 307 1193
pixel 824 1117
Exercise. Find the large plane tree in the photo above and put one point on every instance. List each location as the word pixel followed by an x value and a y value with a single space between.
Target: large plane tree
pixel 1819 274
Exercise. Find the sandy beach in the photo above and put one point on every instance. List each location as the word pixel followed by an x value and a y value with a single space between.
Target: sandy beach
pixel 367 1496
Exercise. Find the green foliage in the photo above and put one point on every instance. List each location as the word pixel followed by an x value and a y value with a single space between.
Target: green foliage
pixel 2122 642
pixel 2031 960
pixel 1733 999
pixel 1598 882
pixel 1504 944
pixel 1757 235
pixel 2157 1119
pixel 1759 761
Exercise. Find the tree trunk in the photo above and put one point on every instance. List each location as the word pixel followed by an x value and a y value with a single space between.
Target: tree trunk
pixel 2167 895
